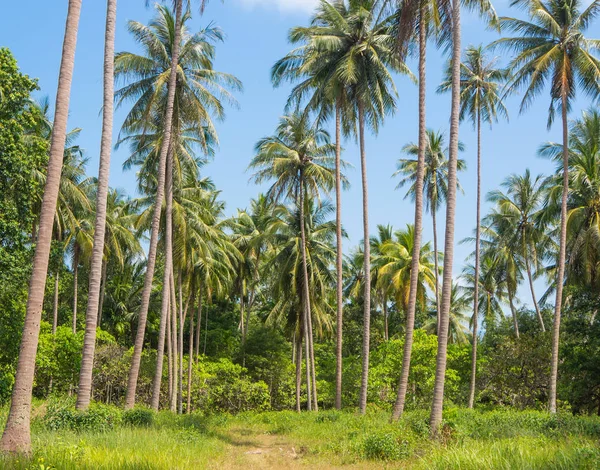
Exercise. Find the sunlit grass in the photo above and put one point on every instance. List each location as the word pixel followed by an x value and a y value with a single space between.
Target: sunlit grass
pixel 500 439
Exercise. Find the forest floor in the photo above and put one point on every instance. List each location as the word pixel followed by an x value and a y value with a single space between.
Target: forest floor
pixel 499 439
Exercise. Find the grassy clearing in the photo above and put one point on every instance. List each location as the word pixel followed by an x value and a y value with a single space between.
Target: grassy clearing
pixel 471 440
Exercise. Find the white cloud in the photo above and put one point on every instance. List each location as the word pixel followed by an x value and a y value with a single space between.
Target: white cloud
pixel 287 6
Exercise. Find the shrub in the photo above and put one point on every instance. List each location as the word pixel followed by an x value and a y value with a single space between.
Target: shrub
pixel 97 417
pixel 139 417
pixel 384 446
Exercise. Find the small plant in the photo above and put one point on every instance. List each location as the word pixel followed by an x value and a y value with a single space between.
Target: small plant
pixel 384 446
pixel 139 417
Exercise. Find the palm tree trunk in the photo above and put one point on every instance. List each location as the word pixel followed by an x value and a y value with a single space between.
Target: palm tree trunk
pixel 416 254
pixel 75 285
pixel 514 312
pixel 362 402
pixel 174 344
pixel 338 260
pixel 147 290
pixel 182 315
pixel 477 262
pixel 306 301
pixel 164 306
pixel 16 436
pixel 169 348
pixel 437 269
pixel 530 279
pixel 55 308
pixel 102 293
pixel 188 408
pixel 307 352
pixel 385 320
pixel 84 392
pixel 199 323
pixel 298 346
pixel 561 260
pixel 440 370
pixel 205 331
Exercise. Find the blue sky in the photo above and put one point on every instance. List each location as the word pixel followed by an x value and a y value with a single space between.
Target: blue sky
pixel 256 36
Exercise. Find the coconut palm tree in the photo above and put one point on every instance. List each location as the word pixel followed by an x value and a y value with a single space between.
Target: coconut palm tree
pixel 486 10
pixel 84 392
pixel 162 160
pixel 480 82
pixel 287 282
pixel 385 233
pixel 196 97
pixel 516 219
pixel 584 197
pixel 552 47
pixel 317 67
pixel 394 264
pixel 298 158
pixel 16 436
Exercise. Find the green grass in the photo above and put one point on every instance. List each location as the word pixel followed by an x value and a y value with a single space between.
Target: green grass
pixel 500 439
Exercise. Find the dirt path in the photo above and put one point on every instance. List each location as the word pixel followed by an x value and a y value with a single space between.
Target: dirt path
pixel 252 451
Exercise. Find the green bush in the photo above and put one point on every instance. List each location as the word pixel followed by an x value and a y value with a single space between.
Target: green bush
pixel 384 446
pixel 139 417
pixel 97 417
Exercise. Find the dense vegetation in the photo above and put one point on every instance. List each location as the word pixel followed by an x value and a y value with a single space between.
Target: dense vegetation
pixel 161 302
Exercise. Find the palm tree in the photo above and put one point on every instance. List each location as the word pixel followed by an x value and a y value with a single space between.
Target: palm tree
pixel 552 47
pixel 516 219
pixel 480 101
pixel 317 66
pixel 164 148
pixel 16 436
pixel 435 183
pixel 385 233
pixel 91 316
pixel 196 96
pixel 584 198
pixel 394 264
pixel 299 159
pixel 287 282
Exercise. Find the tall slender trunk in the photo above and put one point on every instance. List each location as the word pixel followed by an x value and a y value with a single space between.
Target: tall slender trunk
pixel 416 254
pixel 561 260
pixel 310 364
pixel 188 408
pixel 530 280
pixel 472 382
pixel 307 352
pixel 55 307
pixel 147 290
pixel 205 331
pixel 199 323
pixel 75 286
pixel 169 348
pixel 298 347
pixel 514 312
pixel 174 344
pixel 84 392
pixel 164 305
pixel 362 403
pixel 338 259
pixel 437 269
pixel 440 370
pixel 102 293
pixel 16 436
pixel 182 315
pixel 386 331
